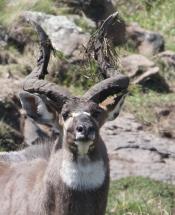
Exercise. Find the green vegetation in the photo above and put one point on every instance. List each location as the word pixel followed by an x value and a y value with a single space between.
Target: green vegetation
pixel 8 137
pixel 129 196
pixel 140 196
pixel 80 76
pixel 156 15
pixel 10 10
pixel 143 105
pixel 82 23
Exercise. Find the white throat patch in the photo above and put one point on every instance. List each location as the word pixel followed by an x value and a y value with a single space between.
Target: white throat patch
pixel 83 177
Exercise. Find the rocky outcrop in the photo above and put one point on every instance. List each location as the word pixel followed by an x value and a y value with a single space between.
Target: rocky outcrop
pixel 135 63
pixel 166 61
pixel 147 42
pixel 134 152
pixel 98 11
pixel 166 121
pixel 167 58
pixel 145 72
pixel 65 35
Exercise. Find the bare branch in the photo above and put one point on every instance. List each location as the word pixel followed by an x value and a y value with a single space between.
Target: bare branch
pixel 100 49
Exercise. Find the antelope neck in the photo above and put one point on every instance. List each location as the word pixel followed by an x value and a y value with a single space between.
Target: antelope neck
pixel 83 174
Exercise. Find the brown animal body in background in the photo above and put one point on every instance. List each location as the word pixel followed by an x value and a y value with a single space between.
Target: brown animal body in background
pixel 71 176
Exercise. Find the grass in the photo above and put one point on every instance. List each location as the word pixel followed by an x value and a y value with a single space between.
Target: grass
pixel 155 15
pixel 143 105
pixel 8 137
pixel 10 10
pixel 140 196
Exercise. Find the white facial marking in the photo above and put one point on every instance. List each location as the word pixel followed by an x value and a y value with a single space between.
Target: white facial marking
pixel 67 123
pixel 83 177
pixel 83 147
pixel 75 114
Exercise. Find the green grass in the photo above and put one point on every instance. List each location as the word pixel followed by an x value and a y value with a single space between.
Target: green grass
pixel 140 196
pixel 10 11
pixel 143 105
pixel 8 137
pixel 155 15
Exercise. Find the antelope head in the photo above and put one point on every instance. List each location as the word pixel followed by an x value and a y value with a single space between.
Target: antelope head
pixel 79 118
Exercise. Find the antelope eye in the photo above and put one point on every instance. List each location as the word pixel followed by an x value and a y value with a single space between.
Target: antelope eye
pixel 65 115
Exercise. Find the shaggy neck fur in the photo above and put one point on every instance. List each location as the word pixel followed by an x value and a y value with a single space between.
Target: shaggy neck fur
pixel 83 174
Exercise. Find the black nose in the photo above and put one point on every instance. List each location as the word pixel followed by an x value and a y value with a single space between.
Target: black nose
pixel 80 129
pixel 85 130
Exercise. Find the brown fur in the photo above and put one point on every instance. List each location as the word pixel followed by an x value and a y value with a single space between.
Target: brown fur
pixel 35 187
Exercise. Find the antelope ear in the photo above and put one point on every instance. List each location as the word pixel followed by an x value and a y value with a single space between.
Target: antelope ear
pixel 110 94
pixel 113 105
pixel 35 107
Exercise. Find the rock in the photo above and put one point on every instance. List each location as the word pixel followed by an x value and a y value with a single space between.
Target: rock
pixel 166 121
pixel 7 58
pixel 16 128
pixel 166 61
pixel 98 11
pixel 168 58
pixel 3 36
pixel 138 153
pixel 135 63
pixel 65 35
pixel 147 42
pixel 144 72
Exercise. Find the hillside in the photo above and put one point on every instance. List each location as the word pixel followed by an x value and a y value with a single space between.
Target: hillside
pixel 141 140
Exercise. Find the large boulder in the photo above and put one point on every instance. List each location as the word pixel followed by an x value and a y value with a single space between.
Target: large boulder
pixel 135 63
pixel 168 58
pixel 143 71
pixel 98 11
pixel 147 42
pixel 65 35
pixel 166 61
pixel 134 152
